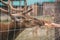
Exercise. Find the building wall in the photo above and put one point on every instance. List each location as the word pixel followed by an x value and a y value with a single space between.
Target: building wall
pixel 37 9
pixel 48 8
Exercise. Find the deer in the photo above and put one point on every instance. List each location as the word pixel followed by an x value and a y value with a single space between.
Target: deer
pixel 12 24
pixel 25 21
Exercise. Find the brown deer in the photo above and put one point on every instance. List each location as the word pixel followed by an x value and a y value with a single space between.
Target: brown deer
pixel 18 23
pixel 13 24
pixel 25 22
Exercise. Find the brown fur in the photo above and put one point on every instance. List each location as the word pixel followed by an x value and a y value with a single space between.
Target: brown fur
pixel 4 30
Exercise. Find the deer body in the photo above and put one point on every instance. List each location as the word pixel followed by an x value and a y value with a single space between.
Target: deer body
pixel 7 30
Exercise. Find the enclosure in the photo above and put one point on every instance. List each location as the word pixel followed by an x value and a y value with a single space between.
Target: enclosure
pixel 20 20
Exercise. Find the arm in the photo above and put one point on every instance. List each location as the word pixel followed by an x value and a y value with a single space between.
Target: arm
pixel 52 25
pixel 55 25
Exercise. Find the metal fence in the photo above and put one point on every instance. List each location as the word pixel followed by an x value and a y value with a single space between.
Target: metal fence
pixel 9 30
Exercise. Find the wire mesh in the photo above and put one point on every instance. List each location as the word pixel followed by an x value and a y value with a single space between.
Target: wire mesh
pixel 11 32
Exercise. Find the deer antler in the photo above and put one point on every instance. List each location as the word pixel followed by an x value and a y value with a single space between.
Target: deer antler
pixel 25 12
pixel 12 8
pixel 3 10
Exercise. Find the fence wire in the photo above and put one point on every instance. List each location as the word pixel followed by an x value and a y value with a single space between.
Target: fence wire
pixel 13 33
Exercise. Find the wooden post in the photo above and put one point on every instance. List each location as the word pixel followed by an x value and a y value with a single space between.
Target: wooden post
pixel 25 3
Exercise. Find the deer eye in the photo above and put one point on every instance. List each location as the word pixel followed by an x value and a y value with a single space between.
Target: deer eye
pixel 18 17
